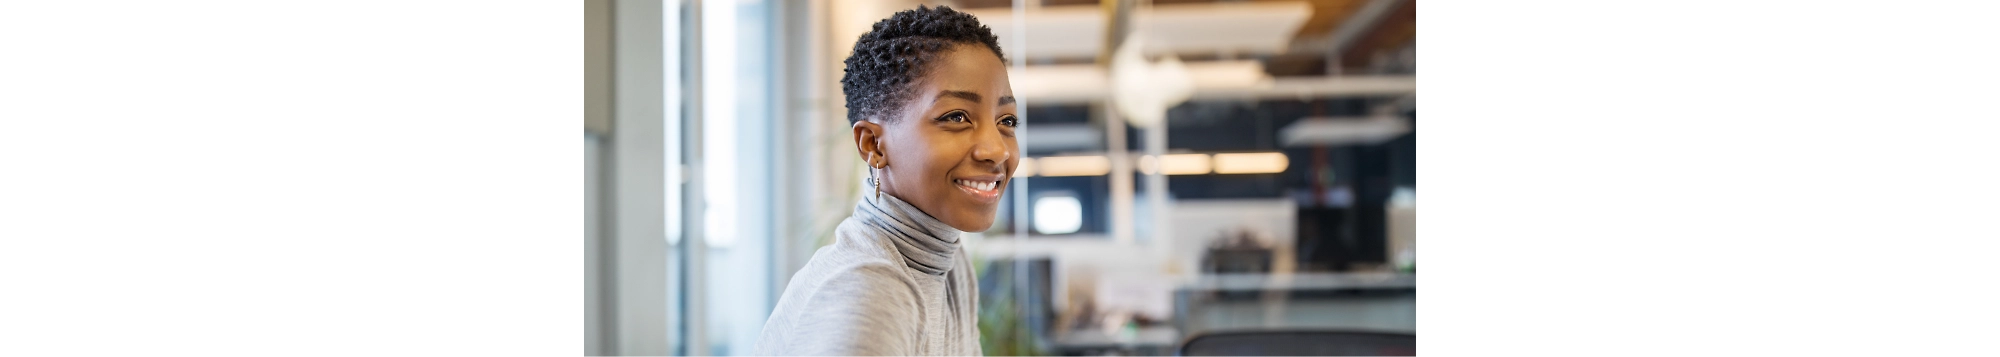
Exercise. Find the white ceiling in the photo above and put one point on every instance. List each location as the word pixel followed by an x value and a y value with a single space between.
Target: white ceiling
pixel 1078 31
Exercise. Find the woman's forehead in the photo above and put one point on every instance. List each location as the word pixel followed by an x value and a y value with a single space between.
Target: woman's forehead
pixel 965 74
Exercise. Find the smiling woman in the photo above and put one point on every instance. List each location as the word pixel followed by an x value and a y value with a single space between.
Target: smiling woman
pixel 933 116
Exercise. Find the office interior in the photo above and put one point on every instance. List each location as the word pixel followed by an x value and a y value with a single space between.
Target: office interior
pixel 1191 168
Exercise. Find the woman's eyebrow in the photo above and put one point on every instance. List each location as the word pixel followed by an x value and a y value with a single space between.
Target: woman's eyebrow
pixel 974 97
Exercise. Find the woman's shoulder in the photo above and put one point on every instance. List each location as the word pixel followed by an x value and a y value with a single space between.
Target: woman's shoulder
pixel 836 264
pixel 851 281
pixel 855 240
pixel 845 303
pixel 857 255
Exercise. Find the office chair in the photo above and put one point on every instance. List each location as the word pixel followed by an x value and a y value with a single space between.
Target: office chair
pixel 1299 343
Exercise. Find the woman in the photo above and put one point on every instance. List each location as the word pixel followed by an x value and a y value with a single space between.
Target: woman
pixel 933 117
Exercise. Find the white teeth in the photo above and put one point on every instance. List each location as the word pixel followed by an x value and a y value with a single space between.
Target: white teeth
pixel 979 185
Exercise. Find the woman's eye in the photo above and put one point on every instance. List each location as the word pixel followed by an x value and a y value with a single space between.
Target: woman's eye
pixel 1010 122
pixel 955 117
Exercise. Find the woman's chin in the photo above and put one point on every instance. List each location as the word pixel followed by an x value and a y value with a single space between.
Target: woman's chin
pixel 979 220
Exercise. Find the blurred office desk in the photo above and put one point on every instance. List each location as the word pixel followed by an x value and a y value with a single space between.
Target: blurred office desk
pixel 1362 301
pixel 1145 341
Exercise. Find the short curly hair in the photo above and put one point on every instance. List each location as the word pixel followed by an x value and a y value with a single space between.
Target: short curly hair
pixel 887 60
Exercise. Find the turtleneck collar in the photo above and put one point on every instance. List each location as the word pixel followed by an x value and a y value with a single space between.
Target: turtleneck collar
pixel 927 244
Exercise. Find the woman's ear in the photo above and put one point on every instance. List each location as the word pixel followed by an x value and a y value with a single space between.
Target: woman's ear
pixel 868 143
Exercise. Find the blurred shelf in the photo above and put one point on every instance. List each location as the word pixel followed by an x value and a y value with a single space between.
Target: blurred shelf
pixel 1309 132
pixel 1145 338
pixel 1302 281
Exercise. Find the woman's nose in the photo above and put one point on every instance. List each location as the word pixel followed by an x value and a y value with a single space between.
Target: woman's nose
pixel 989 145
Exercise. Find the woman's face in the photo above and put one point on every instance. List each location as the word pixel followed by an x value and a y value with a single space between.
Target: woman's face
pixel 952 150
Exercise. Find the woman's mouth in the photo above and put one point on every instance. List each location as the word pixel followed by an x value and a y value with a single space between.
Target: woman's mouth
pixel 984 191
